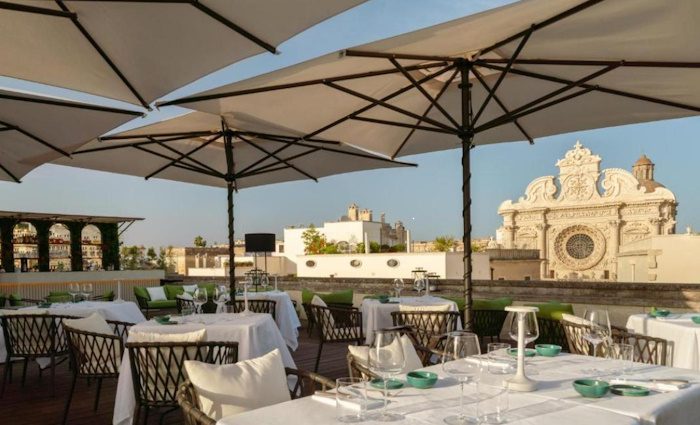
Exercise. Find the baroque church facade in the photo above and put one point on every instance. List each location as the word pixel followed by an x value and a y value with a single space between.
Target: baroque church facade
pixel 580 219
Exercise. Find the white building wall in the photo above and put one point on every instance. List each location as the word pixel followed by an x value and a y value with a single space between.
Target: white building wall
pixel 347 231
pixel 444 264
pixel 663 259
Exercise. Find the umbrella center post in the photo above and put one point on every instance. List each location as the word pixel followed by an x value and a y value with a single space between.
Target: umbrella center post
pixel 230 188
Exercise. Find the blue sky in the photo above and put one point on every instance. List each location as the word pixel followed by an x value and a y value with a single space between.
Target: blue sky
pixel 427 199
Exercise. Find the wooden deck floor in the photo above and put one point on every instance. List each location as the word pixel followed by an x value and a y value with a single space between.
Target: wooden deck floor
pixel 34 405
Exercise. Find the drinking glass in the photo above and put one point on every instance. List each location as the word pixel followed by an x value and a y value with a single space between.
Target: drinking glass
pixel 87 291
pixel 386 359
pixel 200 298
pixel 219 298
pixel 265 283
pixel 598 330
pixel 500 363
pixel 494 403
pixel 398 287
pixel 460 362
pixel 350 400
pixel 623 356
pixel 73 290
pixel 418 285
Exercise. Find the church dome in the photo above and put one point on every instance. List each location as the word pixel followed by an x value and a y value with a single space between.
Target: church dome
pixel 643 160
pixel 650 185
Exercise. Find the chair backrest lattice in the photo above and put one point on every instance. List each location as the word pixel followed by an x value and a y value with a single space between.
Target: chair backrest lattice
pixel 184 303
pixel 307 383
pixel 95 355
pixel 488 323
pixel 552 332
pixel 158 367
pixel 647 349
pixel 35 335
pixel 257 306
pixel 338 324
pixel 429 326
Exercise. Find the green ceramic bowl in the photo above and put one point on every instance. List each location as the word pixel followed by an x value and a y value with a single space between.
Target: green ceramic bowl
pixel 392 384
pixel 383 299
pixel 695 319
pixel 529 352
pixel 548 350
pixel 660 312
pixel 421 379
pixel 591 388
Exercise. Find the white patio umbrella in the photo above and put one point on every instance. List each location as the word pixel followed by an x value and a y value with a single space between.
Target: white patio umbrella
pixel 35 129
pixel 530 69
pixel 139 50
pixel 205 149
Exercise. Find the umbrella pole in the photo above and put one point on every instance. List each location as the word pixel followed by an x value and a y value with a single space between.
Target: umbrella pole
pixel 466 136
pixel 230 187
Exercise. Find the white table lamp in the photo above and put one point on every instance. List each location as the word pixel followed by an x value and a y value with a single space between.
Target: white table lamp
pixel 520 382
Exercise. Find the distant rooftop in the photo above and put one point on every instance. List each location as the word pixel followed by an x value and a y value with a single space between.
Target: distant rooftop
pixel 20 215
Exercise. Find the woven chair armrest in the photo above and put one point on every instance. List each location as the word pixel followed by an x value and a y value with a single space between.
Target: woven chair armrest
pixel 327 383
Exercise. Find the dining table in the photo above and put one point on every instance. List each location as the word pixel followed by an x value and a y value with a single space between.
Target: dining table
pixel 256 333
pixel 285 314
pixel 555 401
pixel 377 315
pixel 682 334
pixel 122 311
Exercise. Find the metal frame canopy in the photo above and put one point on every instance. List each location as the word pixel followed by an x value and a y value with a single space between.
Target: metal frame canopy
pixel 530 69
pixel 205 149
pixel 35 129
pixel 139 50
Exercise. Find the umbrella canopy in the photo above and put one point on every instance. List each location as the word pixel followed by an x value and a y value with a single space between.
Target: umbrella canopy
pixel 35 129
pixel 137 51
pixel 206 149
pixel 531 69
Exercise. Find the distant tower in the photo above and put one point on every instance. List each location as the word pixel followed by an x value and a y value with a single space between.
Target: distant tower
pixel 366 215
pixel 353 212
pixel 643 169
pixel 382 217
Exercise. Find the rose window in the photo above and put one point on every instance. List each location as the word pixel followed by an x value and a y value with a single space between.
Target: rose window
pixel 580 246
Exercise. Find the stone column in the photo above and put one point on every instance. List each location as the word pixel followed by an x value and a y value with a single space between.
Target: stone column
pixel 542 245
pixel 656 225
pixel 614 247
pixel 509 236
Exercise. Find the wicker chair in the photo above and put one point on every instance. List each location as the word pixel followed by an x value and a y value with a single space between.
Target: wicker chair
pixel 310 321
pixel 337 325
pixel 647 349
pixel 552 332
pixel 182 303
pixel 257 306
pixel 157 370
pixel 306 384
pixel 429 327
pixel 95 356
pixel 488 324
pixel 33 336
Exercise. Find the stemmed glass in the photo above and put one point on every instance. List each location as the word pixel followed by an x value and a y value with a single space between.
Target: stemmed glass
pixel 87 291
pixel 459 362
pixel 73 290
pixel 200 298
pixel 247 283
pixel 418 285
pixel 220 297
pixel 398 287
pixel 386 359
pixel 598 329
pixel 265 283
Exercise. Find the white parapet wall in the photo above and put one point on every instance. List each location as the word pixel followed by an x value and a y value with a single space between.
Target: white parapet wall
pixel 447 265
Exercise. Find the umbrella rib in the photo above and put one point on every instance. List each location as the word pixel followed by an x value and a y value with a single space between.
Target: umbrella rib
pixel 554 19
pixel 404 125
pixel 212 14
pixel 427 111
pixel 420 88
pixel 502 76
pixel 536 109
pixel 572 84
pixel 35 138
pixel 281 137
pixel 183 156
pixel 601 89
pixel 104 55
pixel 68 104
pixel 9 173
pixel 150 141
pixel 296 85
pixel 389 106
pixel 35 9
pixel 586 62
pixel 186 167
pixel 271 155
pixel 185 135
pixel 194 161
pixel 481 80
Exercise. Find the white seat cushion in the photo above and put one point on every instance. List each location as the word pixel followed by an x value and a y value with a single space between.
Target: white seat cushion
pixel 575 319
pixel 361 354
pixel 185 296
pixel 93 323
pixel 230 389
pixel 437 307
pixel 189 288
pixel 156 293
pixel 317 301
pixel 194 336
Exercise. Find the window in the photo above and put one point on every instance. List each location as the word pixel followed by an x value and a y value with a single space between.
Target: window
pixel 580 246
pixel 392 262
pixel 527 278
pixel 355 263
pixel 280 248
pixel 310 263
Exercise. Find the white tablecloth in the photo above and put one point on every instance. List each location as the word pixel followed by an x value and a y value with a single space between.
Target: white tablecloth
pixel 285 315
pixel 376 315
pixel 256 334
pixel 682 334
pixel 124 311
pixel 555 402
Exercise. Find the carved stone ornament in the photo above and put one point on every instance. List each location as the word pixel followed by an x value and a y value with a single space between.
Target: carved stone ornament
pixel 579 247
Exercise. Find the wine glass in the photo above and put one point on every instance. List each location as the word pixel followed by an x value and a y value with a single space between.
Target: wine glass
pixel 73 290
pixel 220 297
pixel 459 362
pixel 418 285
pixel 87 291
pixel 530 329
pixel 200 298
pixel 265 283
pixel 386 359
pixel 398 287
pixel 598 329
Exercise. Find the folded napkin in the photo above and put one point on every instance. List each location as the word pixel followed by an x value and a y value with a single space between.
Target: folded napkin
pixel 654 385
pixel 330 399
